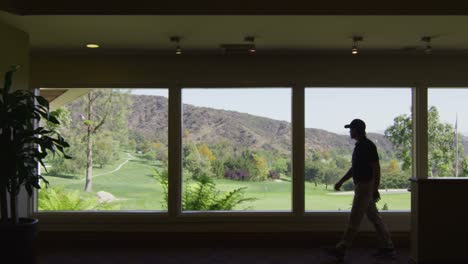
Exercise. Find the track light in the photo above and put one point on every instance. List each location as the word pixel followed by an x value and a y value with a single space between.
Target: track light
pixel 252 49
pixel 354 48
pixel 178 50
pixel 427 40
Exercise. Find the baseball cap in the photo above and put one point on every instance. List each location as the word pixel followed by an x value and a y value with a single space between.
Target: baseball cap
pixel 357 124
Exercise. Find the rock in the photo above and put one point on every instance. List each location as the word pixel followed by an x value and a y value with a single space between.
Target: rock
pixel 105 197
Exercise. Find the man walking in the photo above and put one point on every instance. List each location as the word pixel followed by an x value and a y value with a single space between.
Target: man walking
pixel 365 171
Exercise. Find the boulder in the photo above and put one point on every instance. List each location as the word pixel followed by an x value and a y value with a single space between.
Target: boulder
pixel 105 197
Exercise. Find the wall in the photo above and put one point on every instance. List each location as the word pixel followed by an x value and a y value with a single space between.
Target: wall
pixel 91 69
pixel 14 50
pixel 439 228
pixel 127 70
pixel 139 70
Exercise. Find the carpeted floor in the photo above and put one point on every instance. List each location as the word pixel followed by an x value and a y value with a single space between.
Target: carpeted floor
pixel 210 256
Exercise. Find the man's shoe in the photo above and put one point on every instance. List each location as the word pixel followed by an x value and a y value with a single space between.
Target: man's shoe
pixel 338 253
pixel 385 253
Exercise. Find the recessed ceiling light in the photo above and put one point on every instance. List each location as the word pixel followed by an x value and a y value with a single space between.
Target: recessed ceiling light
pixel 92 46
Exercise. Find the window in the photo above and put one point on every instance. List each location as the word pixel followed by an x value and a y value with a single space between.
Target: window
pixel 236 149
pixel 328 147
pixel 447 132
pixel 118 140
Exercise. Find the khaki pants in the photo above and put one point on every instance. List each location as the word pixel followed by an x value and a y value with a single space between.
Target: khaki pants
pixel 363 204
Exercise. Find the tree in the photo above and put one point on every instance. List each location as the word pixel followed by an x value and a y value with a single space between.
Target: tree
pixel 441 146
pixel 162 153
pixel 393 166
pixel 465 167
pixel 102 111
pixel 341 162
pixel 442 154
pixel 205 151
pixel 58 165
pixel 260 167
pixel 401 135
pixel 105 150
pixel 196 163
pixel 282 166
pixel 121 108
pixel 98 107
pixel 312 171
pixel 63 115
pixel 330 174
pixel 218 168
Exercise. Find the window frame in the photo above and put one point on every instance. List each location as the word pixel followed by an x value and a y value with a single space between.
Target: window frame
pixel 298 217
pixel 294 198
pixel 413 159
pixel 437 86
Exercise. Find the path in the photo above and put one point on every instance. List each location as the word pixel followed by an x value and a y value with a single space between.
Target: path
pixel 382 191
pixel 116 169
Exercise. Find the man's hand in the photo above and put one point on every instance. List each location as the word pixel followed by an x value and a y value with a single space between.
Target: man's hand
pixel 346 177
pixel 338 185
pixel 376 196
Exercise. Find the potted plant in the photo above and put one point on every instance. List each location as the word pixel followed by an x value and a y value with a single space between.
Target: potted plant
pixel 23 146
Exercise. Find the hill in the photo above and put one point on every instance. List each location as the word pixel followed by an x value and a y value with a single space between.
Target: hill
pixel 149 119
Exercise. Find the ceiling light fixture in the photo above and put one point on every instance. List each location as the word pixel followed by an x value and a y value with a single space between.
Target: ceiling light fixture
pixel 175 39
pixel 92 46
pixel 427 40
pixel 354 48
pixel 252 49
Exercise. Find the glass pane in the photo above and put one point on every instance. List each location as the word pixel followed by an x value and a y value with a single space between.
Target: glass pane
pixel 447 133
pixel 236 149
pixel 328 146
pixel 118 144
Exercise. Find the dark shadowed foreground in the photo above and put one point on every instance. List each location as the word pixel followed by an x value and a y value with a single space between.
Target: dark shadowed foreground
pixel 210 256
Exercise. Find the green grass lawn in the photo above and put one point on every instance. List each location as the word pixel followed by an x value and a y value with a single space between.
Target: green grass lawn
pixel 277 196
pixel 133 184
pixel 136 189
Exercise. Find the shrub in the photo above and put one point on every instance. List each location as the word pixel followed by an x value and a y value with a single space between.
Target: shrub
pixel 274 175
pixel 348 186
pixel 395 181
pixel 237 174
pixel 385 207
pixel 148 156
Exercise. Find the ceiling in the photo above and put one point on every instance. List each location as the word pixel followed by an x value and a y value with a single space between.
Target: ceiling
pixel 52 94
pixel 237 7
pixel 149 33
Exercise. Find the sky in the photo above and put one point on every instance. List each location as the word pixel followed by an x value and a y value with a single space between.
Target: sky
pixel 328 108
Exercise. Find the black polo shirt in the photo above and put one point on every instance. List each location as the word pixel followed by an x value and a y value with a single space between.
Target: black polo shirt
pixel 365 152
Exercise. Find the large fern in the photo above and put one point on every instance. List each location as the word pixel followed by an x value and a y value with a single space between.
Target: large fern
pixel 229 200
pixel 202 195
pixel 59 199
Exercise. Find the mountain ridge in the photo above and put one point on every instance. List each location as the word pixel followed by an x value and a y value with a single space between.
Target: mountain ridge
pixel 210 125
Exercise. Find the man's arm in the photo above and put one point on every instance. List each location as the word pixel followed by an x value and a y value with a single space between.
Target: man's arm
pixel 346 177
pixel 376 174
